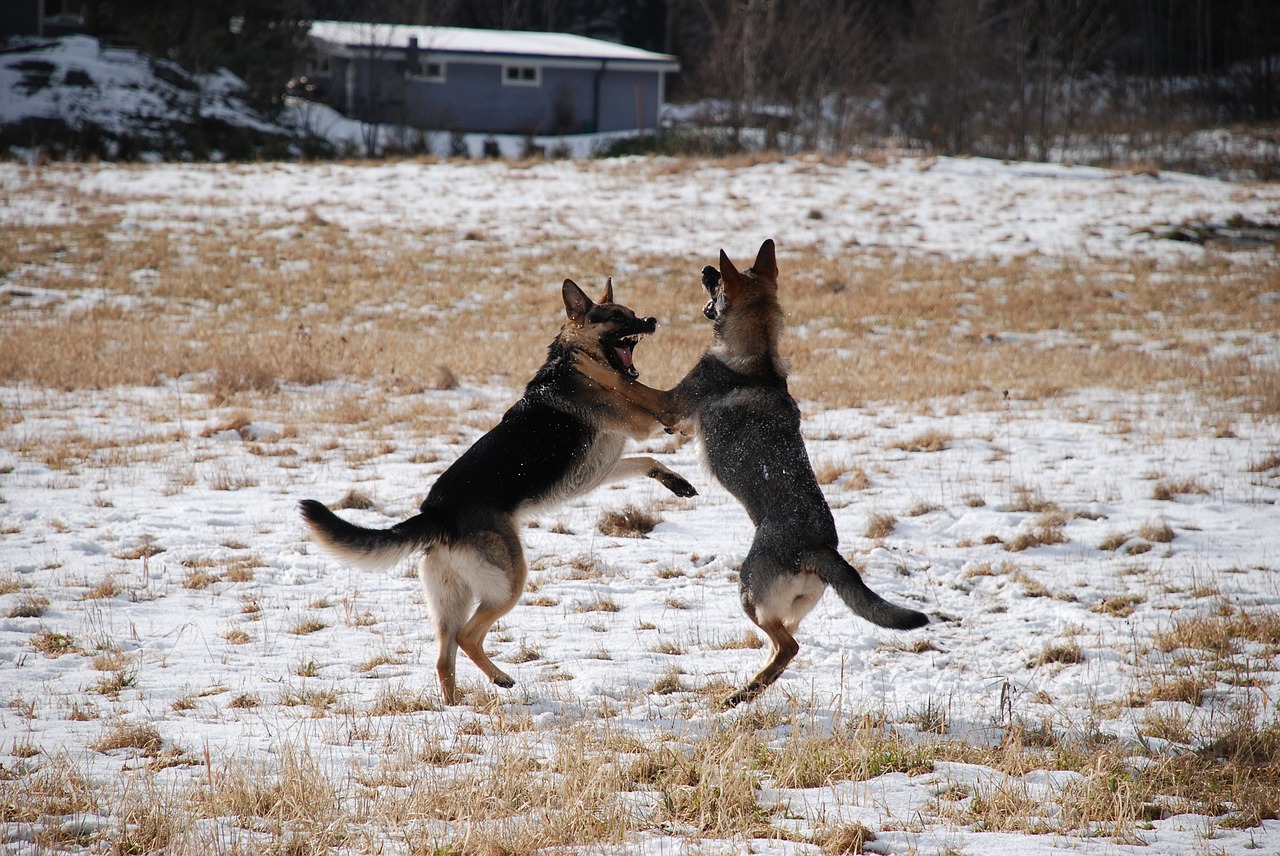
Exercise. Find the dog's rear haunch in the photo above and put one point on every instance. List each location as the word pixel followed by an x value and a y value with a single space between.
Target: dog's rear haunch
pixel 563 438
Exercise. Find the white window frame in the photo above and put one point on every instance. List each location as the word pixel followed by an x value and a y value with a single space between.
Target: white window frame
pixel 423 71
pixel 520 79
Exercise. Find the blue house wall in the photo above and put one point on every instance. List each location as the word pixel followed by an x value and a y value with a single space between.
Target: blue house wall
pixel 571 95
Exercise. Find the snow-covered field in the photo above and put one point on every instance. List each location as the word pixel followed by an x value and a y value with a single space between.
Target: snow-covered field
pixel 169 579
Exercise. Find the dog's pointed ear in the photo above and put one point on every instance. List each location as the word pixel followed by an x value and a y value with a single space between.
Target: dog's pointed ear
pixel 766 263
pixel 576 302
pixel 731 280
pixel 608 291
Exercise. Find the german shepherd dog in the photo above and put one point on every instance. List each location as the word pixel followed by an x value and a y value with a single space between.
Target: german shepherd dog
pixel 749 426
pixel 561 439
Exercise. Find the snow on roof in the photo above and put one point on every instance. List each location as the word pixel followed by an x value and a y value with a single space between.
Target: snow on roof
pixel 497 42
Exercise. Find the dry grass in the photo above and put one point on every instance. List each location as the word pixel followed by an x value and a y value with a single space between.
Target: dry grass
pixel 929 441
pixel 125 735
pixel 1066 653
pixel 879 525
pixel 1223 634
pixel 628 522
pixel 576 791
pixel 1045 530
pixel 307 625
pixel 1120 606
pixel 253 351
pixel 1169 491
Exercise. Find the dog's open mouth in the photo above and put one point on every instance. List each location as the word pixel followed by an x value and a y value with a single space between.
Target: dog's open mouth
pixel 711 282
pixel 622 353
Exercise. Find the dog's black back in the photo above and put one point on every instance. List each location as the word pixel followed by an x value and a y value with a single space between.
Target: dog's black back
pixel 522 461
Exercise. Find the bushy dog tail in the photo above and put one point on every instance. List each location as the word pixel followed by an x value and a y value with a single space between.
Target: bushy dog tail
pixel 845 579
pixel 372 549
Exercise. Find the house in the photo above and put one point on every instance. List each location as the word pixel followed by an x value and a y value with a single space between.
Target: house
pixel 485 81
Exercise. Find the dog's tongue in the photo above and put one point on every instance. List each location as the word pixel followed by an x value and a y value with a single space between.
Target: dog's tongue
pixel 624 357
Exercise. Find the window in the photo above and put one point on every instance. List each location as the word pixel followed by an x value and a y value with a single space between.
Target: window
pixel 430 70
pixel 521 75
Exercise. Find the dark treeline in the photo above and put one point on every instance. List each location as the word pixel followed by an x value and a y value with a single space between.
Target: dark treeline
pixel 1006 77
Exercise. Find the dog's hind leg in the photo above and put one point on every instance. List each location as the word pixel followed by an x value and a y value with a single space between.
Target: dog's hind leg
pixel 784 648
pixel 776 596
pixel 498 581
pixel 450 600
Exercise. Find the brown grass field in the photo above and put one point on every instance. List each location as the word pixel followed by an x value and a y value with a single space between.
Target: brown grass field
pixel 333 329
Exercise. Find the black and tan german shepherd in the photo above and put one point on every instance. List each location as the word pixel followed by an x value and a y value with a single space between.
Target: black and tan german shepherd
pixel 736 396
pixel 561 439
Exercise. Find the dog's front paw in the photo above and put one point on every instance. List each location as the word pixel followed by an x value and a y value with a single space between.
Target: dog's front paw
pixel 675 483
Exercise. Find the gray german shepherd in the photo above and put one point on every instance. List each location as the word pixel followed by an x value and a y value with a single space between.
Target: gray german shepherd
pixel 749 427
pixel 561 439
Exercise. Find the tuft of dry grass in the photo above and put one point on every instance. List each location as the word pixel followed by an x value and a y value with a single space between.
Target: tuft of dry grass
pixel 354 499
pixel 199 579
pixel 1031 501
pixel 1120 606
pixel 129 735
pixel 307 625
pixel 920 509
pixel 29 606
pixel 931 440
pixel 1047 529
pixel 601 603
pixel 526 653
pixel 1188 689
pixel 1169 491
pixel 395 700
pixel 1067 653
pixel 628 522
pixel 1222 634
pixel 104 590
pixel 844 838
pixel 1158 532
pixel 711 789
pixel 236 636
pixel 749 640
pixel 879 525
pixel 1266 464
pixel 1113 542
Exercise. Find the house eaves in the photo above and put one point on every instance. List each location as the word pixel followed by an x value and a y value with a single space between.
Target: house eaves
pixel 561 50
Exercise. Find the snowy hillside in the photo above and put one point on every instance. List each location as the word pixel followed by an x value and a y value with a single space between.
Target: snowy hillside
pixel 117 102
